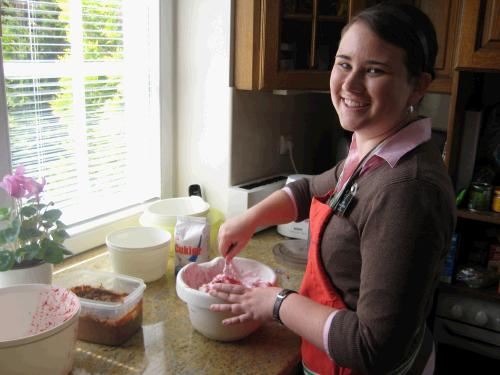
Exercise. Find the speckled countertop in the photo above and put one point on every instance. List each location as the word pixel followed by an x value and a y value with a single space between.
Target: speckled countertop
pixel 167 343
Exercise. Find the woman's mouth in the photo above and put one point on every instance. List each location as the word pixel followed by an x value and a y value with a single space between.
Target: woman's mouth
pixel 349 103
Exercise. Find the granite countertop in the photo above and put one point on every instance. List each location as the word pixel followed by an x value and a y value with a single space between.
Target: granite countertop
pixel 168 344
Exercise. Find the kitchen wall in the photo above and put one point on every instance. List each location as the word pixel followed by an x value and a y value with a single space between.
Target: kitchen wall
pixel 203 98
pixel 258 120
pixel 225 136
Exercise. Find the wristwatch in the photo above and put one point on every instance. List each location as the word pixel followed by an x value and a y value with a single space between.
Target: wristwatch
pixel 279 300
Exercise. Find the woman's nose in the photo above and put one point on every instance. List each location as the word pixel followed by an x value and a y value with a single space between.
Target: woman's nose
pixel 353 82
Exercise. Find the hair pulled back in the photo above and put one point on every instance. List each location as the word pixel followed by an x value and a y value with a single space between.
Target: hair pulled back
pixel 407 27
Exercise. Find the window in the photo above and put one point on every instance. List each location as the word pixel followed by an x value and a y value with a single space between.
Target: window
pixel 82 100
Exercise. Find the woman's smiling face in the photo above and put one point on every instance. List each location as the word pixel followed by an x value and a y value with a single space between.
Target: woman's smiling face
pixel 369 83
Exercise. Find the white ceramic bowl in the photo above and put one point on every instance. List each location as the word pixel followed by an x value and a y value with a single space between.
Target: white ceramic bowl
pixel 209 323
pixel 164 213
pixel 38 329
pixel 139 251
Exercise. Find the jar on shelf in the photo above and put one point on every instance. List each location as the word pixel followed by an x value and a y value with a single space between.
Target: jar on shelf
pixel 495 202
pixel 479 196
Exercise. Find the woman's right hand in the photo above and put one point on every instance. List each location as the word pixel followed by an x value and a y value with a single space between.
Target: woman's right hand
pixel 234 234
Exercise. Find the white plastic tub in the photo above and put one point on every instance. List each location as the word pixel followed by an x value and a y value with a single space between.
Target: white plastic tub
pixel 139 252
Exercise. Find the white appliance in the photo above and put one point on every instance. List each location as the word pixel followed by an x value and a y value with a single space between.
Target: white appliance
pixel 244 196
pixel 299 230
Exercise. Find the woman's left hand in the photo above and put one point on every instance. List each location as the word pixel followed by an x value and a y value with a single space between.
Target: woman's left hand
pixel 248 304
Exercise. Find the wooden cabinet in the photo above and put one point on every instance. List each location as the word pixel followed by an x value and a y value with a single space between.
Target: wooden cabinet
pixel 286 44
pixel 444 15
pixel 291 44
pixel 479 40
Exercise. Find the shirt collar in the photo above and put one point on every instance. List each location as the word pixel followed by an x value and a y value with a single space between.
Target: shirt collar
pixel 400 143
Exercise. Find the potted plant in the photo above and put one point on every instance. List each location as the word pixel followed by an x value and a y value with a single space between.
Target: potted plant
pixel 31 234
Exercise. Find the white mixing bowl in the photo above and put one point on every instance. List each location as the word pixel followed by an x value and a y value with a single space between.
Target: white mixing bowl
pixel 163 213
pixel 139 251
pixel 209 323
pixel 38 329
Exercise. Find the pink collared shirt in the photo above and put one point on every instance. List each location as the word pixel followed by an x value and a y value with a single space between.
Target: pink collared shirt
pixel 396 147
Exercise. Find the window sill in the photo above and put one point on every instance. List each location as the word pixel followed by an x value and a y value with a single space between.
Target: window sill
pixel 93 234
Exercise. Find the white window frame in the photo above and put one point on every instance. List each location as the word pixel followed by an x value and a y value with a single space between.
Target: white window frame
pixel 93 233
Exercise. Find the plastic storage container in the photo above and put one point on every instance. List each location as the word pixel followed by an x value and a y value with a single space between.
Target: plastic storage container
pixel 139 252
pixel 103 322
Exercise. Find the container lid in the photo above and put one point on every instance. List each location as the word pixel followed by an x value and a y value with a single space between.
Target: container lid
pixel 118 283
pixel 138 238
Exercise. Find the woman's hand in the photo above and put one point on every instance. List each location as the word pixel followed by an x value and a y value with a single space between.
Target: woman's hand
pixel 234 234
pixel 248 304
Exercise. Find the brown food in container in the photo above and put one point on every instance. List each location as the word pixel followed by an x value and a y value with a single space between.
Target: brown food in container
pixel 107 332
pixel 111 305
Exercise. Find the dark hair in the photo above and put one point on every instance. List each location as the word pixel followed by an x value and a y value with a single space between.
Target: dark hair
pixel 407 27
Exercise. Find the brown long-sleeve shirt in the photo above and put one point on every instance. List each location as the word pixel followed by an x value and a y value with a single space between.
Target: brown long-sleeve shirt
pixel 384 258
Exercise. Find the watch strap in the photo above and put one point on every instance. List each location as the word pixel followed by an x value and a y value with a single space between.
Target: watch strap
pixel 279 300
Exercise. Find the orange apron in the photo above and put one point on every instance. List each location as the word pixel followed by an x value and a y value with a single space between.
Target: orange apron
pixel 318 287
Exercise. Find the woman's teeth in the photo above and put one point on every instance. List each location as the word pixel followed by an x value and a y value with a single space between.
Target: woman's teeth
pixel 353 103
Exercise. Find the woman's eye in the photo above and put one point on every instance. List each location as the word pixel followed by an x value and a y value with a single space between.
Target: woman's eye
pixel 344 65
pixel 374 71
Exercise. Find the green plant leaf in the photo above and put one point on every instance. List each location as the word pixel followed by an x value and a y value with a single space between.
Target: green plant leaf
pixel 28 211
pixel 39 206
pixel 16 223
pixel 2 238
pixel 60 224
pixel 29 223
pixel 29 233
pixel 52 252
pixel 59 235
pixel 11 234
pixel 52 215
pixel 4 214
pixel 6 260
pixel 20 254
pixel 31 251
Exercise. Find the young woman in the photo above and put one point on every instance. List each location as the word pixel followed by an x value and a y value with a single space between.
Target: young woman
pixel 380 221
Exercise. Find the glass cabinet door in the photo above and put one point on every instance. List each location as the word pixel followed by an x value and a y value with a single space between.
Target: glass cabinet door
pixel 300 41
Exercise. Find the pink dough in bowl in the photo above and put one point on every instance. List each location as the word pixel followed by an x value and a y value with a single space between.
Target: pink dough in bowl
pixel 195 276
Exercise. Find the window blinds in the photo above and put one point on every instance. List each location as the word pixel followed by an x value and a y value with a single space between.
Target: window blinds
pixel 81 81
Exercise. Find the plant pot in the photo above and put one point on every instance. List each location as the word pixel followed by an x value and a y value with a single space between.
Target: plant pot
pixel 32 273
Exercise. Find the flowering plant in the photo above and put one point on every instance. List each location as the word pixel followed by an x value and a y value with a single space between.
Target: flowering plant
pixel 31 231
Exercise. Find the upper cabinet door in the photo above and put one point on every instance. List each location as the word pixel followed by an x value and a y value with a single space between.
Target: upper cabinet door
pixel 479 41
pixel 286 44
pixel 444 15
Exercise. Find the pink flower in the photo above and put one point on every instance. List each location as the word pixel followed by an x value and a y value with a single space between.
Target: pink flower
pixel 34 188
pixel 20 186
